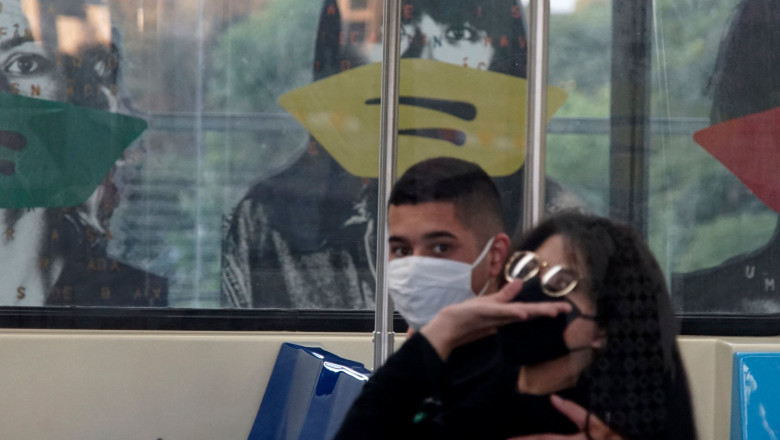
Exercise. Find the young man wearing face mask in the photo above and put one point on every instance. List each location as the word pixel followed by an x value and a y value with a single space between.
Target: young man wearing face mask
pixel 446 237
pixel 447 246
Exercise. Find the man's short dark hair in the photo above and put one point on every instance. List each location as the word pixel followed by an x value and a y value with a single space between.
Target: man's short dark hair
pixel 466 185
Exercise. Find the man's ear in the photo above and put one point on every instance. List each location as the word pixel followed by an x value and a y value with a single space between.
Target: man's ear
pixel 498 253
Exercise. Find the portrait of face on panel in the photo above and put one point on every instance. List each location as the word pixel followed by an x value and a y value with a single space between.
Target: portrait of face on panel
pixel 306 237
pixel 66 124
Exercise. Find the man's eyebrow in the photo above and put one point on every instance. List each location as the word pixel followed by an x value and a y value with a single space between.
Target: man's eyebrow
pixel 15 41
pixel 427 236
pixel 438 234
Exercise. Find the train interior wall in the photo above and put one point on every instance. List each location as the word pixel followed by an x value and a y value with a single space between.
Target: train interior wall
pixel 174 385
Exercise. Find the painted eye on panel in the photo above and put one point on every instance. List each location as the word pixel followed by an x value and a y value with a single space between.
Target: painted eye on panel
pixel 26 64
pixel 461 33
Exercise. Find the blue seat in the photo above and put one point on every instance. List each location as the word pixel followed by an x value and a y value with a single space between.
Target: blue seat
pixel 755 396
pixel 308 395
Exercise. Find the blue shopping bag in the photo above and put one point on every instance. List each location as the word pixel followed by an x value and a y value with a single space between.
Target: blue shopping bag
pixel 308 395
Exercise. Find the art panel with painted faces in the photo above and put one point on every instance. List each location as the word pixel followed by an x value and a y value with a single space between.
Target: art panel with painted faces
pixel 744 137
pixel 63 127
pixel 305 238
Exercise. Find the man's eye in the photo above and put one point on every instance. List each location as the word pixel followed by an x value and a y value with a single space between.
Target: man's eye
pixel 441 248
pixel 400 252
pixel 25 64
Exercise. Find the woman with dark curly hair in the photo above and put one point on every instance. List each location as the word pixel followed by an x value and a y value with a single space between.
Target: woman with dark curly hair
pixel 614 354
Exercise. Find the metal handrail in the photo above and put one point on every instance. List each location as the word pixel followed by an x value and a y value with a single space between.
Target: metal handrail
pixel 536 114
pixel 279 122
pixel 383 318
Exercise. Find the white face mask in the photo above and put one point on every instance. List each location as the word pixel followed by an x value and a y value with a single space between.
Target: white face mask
pixel 422 286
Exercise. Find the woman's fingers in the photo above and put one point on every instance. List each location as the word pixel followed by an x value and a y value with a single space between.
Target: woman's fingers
pixel 497 314
pixel 521 310
pixel 550 437
pixel 475 318
pixel 585 421
pixel 535 310
pixel 571 410
pixel 591 425
pixel 508 292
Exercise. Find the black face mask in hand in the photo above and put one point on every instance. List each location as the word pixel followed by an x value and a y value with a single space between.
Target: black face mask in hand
pixel 537 340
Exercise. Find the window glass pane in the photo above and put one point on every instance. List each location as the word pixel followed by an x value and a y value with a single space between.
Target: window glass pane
pixel 219 126
pixel 107 210
pixel 578 134
pixel 706 201
pixel 224 154
pixel 208 76
pixel 463 90
pixel 712 204
pixel 70 135
pixel 305 238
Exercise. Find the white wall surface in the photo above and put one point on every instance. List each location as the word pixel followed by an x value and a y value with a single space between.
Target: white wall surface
pixel 85 385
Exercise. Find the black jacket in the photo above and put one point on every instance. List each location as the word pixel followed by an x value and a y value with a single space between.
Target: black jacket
pixel 471 396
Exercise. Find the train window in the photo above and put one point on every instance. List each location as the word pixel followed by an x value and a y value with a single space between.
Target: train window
pixel 685 154
pixel 713 215
pixel 213 165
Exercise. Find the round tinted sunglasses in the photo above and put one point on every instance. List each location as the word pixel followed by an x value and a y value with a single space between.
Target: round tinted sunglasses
pixel 556 280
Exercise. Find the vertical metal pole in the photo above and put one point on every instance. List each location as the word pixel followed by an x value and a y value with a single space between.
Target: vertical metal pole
pixel 536 114
pixel 383 318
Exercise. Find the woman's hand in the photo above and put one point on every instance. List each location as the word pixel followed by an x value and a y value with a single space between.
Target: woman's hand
pixel 459 324
pixel 591 428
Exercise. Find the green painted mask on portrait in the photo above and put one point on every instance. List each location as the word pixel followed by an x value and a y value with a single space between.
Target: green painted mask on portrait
pixel 54 154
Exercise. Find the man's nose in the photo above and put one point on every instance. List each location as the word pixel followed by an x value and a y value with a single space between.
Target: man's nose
pixel 420 251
